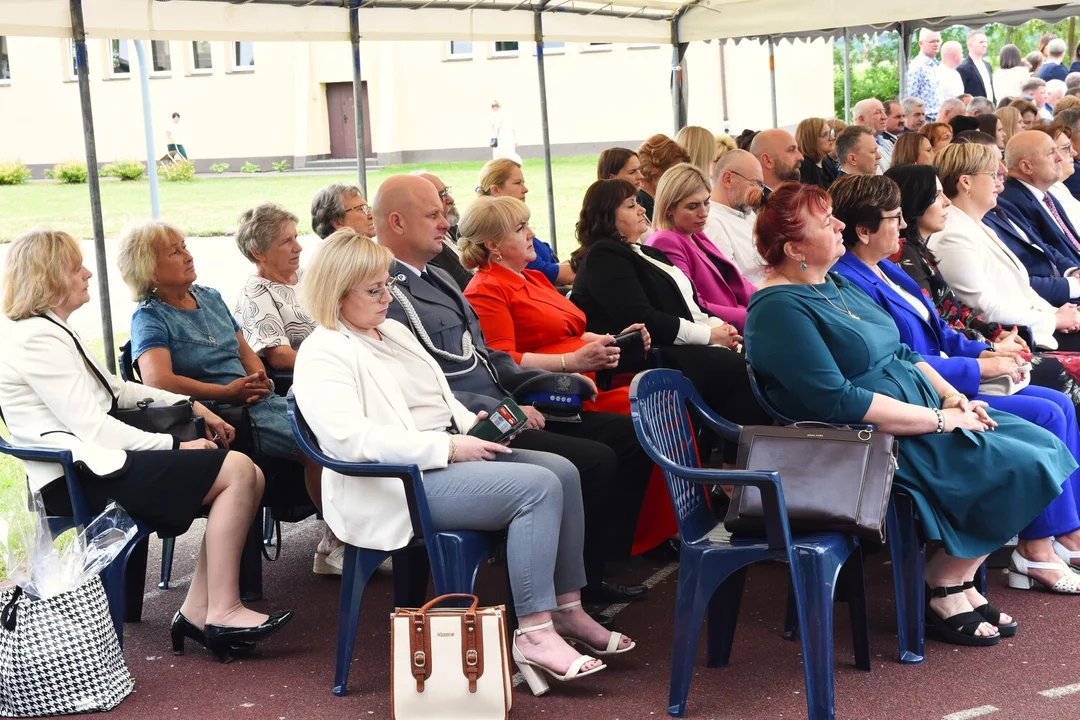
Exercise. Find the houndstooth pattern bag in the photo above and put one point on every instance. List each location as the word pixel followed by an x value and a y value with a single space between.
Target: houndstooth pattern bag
pixel 60 655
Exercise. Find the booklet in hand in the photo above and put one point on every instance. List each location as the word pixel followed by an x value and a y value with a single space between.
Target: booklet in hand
pixel 504 421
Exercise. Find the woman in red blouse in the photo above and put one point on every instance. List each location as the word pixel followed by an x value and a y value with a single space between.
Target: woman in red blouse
pixel 523 314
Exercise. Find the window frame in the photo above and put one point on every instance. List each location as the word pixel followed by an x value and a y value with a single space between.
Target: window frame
pixel 5 60
pixel 548 52
pixel 497 53
pixel 154 72
pixel 115 74
pixel 597 47
pixel 451 55
pixel 234 49
pixel 193 57
pixel 71 72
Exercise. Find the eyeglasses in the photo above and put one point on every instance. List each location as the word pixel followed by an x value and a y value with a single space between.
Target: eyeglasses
pixel 758 183
pixel 377 293
pixel 828 135
pixel 363 207
pixel 1065 149
pixel 898 217
pixel 444 192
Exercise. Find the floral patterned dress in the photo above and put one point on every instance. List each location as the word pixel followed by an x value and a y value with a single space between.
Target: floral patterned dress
pixel 1055 370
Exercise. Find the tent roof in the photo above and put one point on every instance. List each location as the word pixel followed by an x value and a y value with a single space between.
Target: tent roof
pixel 633 21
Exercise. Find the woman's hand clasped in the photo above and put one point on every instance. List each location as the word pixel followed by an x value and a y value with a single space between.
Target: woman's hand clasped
pixel 200 444
pixel 248 390
pixel 216 428
pixel 1068 318
pixel 998 365
pixel 725 335
pixel 959 412
pixel 600 354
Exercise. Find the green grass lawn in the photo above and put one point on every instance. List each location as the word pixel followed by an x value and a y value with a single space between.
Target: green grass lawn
pixel 210 205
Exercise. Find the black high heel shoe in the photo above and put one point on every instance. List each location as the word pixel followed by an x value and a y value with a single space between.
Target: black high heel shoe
pixel 993 615
pixel 957 629
pixel 220 639
pixel 182 628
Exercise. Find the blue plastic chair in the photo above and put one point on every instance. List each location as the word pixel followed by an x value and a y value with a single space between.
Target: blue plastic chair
pixel 455 556
pixel 907 551
pixel 712 572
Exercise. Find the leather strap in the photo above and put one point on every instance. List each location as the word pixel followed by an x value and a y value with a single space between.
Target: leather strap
pixel 419 649
pixel 472 648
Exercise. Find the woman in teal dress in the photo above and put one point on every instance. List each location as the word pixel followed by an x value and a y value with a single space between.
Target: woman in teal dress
pixel 825 351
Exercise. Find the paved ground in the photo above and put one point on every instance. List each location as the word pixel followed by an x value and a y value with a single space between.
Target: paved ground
pixel 1034 675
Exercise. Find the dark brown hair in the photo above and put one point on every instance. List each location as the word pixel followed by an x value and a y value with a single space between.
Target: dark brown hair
pixel 597 219
pixel 859 200
pixel 612 161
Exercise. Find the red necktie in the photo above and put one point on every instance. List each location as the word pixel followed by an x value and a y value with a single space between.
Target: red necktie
pixel 1052 207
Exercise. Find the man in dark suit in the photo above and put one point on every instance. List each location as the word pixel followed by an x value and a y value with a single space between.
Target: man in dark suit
pixel 1052 274
pixel 975 71
pixel 614 469
pixel 1034 165
pixel 1071 119
pixel 1054 67
pixel 448 258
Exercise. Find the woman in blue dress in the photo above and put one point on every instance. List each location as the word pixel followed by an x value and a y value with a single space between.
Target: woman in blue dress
pixel 869 207
pixel 852 368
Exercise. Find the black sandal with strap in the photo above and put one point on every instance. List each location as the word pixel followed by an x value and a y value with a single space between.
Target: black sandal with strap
pixel 957 629
pixel 993 616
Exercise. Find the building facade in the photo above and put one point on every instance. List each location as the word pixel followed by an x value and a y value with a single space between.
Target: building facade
pixel 424 101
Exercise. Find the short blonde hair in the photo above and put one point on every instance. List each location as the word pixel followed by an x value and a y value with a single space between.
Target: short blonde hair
pixel 962 159
pixel 495 173
pixel 700 144
pixel 344 260
pixel 487 220
pixel 675 186
pixel 137 259
pixel 36 272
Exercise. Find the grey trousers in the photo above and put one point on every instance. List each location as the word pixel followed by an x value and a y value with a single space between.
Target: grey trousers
pixel 537 496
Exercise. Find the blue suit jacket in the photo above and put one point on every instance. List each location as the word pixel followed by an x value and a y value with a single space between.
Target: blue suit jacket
pixel 1035 215
pixel 930 337
pixel 1073 181
pixel 1045 265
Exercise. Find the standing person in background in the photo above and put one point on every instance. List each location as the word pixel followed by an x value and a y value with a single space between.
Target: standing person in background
pixel 1054 67
pixel 503 136
pixel 1034 60
pixel 975 70
pixel 1044 41
pixel 175 137
pixel 924 74
pixel 1075 66
pixel 1011 74
pixel 952 85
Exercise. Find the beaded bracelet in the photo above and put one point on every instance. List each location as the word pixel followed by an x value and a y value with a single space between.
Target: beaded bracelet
pixel 940 421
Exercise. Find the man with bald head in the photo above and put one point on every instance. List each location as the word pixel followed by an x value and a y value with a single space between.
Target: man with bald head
pixel 952 85
pixel 1034 165
pixel 737 190
pixel 614 470
pixel 871 113
pixel 779 156
pixel 923 80
pixel 448 258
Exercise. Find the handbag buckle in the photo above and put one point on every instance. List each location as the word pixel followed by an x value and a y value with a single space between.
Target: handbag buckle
pixel 419 659
pixel 471 657
pixel 865 435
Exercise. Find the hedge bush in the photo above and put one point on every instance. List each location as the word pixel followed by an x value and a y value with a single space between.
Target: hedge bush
pixel 181 171
pixel 72 172
pixel 13 173
pixel 125 169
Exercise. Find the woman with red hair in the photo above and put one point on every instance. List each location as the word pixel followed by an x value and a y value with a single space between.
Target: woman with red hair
pixel 852 368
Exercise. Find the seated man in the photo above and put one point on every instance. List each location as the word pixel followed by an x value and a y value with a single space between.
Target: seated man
pixel 857 151
pixel 448 258
pixel 614 469
pixel 736 193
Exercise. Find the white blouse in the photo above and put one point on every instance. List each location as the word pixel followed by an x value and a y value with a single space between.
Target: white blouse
pixel 270 315
pixel 697 332
pixel 417 381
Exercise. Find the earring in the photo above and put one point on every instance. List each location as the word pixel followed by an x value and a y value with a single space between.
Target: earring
pixel 497 258
pixel 802 266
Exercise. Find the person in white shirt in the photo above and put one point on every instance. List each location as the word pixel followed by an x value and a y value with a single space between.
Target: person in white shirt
pixel 1011 74
pixel 175 137
pixel 949 80
pixel 870 113
pixel 737 190
pixel 503 135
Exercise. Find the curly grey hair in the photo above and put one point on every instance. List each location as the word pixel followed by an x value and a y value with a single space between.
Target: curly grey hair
pixel 259 226
pixel 328 207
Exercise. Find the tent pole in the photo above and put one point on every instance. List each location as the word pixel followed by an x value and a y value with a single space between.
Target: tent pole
pixel 358 101
pixel 847 76
pixel 902 60
pixel 538 25
pixel 772 79
pixel 148 127
pixel 723 85
pixel 78 35
pixel 678 80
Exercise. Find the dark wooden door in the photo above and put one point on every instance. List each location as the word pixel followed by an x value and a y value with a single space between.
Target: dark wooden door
pixel 339 111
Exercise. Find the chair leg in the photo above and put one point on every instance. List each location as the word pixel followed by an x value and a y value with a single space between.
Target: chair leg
pixel 251 574
pixel 853 583
pixel 980 579
pixel 268 527
pixel 168 545
pixel 690 604
pixel 813 578
pixel 723 617
pixel 134 574
pixel 791 617
pixel 411 570
pixel 908 554
pixel 353 581
pixel 455 560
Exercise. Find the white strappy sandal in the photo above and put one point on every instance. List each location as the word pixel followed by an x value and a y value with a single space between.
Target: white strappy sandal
pixel 531 670
pixel 1069 556
pixel 613 642
pixel 1067 584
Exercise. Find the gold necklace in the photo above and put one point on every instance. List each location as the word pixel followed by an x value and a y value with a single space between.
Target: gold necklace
pixel 846 310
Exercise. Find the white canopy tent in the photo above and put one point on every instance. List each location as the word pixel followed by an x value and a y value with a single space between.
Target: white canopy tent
pixel 623 21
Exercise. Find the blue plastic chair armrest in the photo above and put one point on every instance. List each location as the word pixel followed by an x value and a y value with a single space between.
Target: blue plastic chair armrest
pixel 35 453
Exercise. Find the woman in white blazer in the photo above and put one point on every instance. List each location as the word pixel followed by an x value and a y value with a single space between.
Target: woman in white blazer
pixel 982 271
pixel 371 393
pixel 54 393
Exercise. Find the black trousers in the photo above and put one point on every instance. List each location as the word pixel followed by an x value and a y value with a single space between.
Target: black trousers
pixel 1067 342
pixel 614 473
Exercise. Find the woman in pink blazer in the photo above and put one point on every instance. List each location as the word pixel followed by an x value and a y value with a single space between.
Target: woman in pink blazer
pixel 682 208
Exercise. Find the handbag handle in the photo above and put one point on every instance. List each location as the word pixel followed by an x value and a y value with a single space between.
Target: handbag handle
pixel 7 617
pixel 449 596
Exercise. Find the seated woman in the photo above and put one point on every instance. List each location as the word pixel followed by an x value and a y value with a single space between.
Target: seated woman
pixel 700 145
pixel 939 135
pixel 657 155
pixel 271 318
pixel 1010 121
pixel 522 314
pixel 371 393
pixel 621 163
pixel 978 266
pixel 504 177
pixel 869 208
pixel 682 209
pixel 817 143
pixel 852 368
pixel 1029 114
pixel 913 148
pixel 185 340
pixel 620 282
pixel 55 394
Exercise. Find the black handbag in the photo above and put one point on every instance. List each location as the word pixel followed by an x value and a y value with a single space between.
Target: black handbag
pixel 834 478
pixel 494 142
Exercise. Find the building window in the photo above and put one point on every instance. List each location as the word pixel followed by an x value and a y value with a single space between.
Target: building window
pixel 506 49
pixel 200 56
pixel 5 67
pixel 120 58
pixel 73 62
pixel 554 48
pixel 597 47
pixel 243 55
pixel 456 50
pixel 160 57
